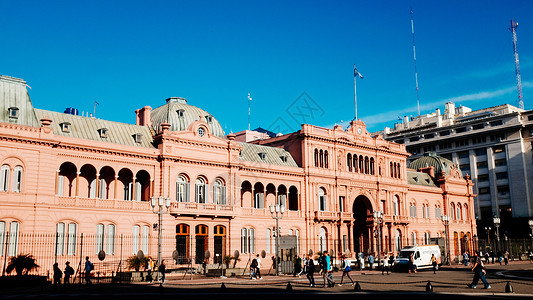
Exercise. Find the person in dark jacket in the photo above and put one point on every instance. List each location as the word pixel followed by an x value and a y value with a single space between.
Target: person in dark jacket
pixel 58 274
pixel 310 271
pixel 162 269
pixel 479 273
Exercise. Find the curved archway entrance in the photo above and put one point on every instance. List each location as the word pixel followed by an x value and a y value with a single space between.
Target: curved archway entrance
pixel 363 224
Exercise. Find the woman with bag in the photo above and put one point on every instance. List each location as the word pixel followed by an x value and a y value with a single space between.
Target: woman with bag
pixel 345 269
pixel 479 273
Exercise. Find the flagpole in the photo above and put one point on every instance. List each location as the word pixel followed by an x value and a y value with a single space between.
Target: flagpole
pixel 249 101
pixel 355 91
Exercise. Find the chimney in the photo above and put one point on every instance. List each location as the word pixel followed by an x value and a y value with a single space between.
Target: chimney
pixel 143 116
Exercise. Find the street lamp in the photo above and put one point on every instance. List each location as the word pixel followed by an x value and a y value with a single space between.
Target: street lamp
pixel 378 216
pixel 446 221
pixel 487 229
pixel 496 221
pixel 277 213
pixel 160 206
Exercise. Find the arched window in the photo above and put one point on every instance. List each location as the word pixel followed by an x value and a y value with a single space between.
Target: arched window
pixel 140 239
pixel 398 172
pixel 321 158
pixel 4 178
pixel 398 240
pixel 438 212
pixel 452 211
pixel 412 210
pixel 372 166
pixel 391 170
pixel 17 179
pixel 326 157
pixel 247 240
pixel 459 212
pixel 182 189
pixel 268 237
pixel 135 239
pixel 367 171
pixel 355 163
pixel 219 192
pixel 200 190
pixel 413 238
pixel 396 205
pixel 60 238
pixel 322 239
pixel 110 239
pixel 71 238
pixel 316 157
pixel 361 164
pixel 322 199
pixel 259 195
pixel 349 162
pixel 427 238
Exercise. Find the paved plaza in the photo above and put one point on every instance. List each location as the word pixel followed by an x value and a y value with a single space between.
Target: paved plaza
pixel 448 281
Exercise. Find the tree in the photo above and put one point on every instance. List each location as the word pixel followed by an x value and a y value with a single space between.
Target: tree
pixel 133 262
pixel 21 263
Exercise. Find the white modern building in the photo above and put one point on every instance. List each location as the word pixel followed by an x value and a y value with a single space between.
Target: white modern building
pixel 492 145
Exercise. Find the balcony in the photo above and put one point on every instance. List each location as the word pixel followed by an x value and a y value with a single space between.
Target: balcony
pixel 103 203
pixel 330 216
pixel 201 209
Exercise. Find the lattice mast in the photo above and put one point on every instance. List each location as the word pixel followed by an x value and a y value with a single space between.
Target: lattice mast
pixel 514 25
pixel 414 57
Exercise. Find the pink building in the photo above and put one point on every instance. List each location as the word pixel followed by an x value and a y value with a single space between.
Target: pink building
pixel 88 182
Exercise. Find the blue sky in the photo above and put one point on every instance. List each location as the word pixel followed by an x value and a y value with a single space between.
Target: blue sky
pixel 295 58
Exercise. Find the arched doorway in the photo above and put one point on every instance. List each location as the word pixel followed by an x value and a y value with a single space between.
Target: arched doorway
pixel 182 243
pixel 363 223
pixel 220 242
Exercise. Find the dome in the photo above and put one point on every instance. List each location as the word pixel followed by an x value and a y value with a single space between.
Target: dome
pixel 439 163
pixel 180 115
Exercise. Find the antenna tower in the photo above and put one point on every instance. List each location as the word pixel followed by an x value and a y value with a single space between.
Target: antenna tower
pixel 414 57
pixel 514 25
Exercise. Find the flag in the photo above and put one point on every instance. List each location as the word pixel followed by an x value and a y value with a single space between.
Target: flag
pixel 356 73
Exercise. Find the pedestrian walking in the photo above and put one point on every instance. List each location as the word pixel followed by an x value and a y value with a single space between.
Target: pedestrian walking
pixel 162 270
pixel 326 271
pixel 465 258
pixel 150 267
pixel 310 271
pixel 361 261
pixel 69 271
pixel 88 268
pixel 385 264
pixel 304 266
pixel 297 265
pixel 370 261
pixel 412 268
pixel 253 269
pixel 434 263
pixel 258 267
pixel 506 257
pixel 345 269
pixel 58 274
pixel 479 273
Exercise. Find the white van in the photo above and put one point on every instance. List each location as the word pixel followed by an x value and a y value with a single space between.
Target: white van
pixel 421 256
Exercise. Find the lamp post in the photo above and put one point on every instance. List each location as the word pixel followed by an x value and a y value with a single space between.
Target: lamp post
pixel 378 216
pixel 496 221
pixel 446 221
pixel 530 223
pixel 487 229
pixel 277 213
pixel 160 206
